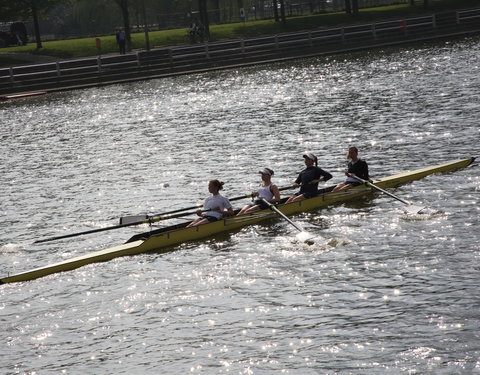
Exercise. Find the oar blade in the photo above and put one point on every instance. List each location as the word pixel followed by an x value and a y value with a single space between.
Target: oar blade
pixel 413 209
pixel 125 220
pixel 306 238
pixel 303 236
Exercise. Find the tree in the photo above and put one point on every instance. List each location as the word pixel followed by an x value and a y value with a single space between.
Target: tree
pixel 14 10
pixel 351 6
pixel 355 7
pixel 425 3
pixel 282 12
pixel 91 17
pixel 275 11
pixel 202 9
pixel 36 26
pixel 23 10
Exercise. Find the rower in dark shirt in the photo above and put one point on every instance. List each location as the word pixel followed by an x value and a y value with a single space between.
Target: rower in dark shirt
pixel 308 179
pixel 357 167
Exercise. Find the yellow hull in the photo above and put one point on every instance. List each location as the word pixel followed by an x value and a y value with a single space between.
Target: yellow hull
pixel 170 236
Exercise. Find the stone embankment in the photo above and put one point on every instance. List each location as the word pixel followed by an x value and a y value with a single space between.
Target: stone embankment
pixel 99 71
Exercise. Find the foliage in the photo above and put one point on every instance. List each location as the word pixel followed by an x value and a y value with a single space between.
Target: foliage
pixel 21 10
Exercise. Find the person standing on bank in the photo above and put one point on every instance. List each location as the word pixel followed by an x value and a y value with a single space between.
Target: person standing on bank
pixel 121 41
pixel 266 190
pixel 308 179
pixel 214 207
pixel 357 167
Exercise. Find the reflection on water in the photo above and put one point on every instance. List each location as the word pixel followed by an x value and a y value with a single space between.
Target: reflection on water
pixel 375 293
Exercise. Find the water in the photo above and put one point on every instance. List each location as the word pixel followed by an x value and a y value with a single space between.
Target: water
pixel 378 293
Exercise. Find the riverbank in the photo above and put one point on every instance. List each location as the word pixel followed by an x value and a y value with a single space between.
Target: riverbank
pixel 86 47
pixel 166 62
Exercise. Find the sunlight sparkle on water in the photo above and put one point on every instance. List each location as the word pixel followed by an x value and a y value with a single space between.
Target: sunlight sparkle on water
pixel 252 300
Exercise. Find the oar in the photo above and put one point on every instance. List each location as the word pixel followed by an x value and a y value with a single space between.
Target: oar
pixel 136 218
pixel 147 221
pixel 411 208
pixel 298 227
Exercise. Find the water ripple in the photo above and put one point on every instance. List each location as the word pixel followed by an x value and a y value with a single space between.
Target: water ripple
pixel 376 293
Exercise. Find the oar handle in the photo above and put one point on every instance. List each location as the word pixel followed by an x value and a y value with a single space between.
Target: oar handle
pixel 379 189
pixel 251 195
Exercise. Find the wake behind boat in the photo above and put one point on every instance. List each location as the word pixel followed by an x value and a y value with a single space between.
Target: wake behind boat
pixel 165 238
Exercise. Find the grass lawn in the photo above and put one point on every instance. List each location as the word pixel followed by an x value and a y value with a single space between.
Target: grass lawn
pixel 82 47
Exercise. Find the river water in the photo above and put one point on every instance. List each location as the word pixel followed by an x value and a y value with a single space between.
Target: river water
pixel 378 292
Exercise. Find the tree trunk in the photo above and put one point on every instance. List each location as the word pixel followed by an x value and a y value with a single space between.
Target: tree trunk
pixel 36 26
pixel 275 11
pixel 355 7
pixel 282 12
pixel 145 25
pixel 126 26
pixel 348 7
pixel 202 9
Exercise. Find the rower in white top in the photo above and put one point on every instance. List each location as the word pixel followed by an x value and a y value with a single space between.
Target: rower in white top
pixel 267 190
pixel 214 207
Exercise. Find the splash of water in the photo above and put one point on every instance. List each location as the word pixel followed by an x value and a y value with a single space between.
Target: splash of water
pixel 424 214
pixel 10 248
pixel 305 237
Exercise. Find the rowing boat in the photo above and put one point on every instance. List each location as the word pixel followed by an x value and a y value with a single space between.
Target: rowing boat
pixel 163 239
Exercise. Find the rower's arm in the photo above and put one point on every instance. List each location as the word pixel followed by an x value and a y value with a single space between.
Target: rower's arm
pixel 276 194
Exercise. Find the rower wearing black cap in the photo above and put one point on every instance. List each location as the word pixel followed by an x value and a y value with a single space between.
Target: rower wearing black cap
pixel 309 178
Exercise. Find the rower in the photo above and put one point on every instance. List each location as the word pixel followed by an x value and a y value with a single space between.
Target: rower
pixel 214 207
pixel 357 167
pixel 308 179
pixel 266 190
